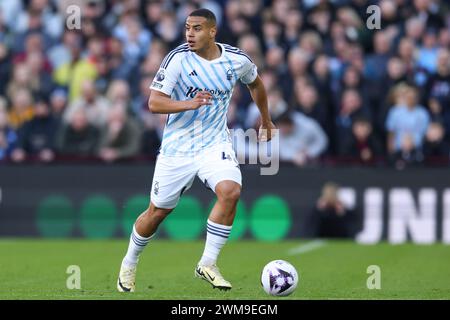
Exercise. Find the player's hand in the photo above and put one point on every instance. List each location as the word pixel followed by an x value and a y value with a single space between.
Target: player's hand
pixel 266 131
pixel 202 98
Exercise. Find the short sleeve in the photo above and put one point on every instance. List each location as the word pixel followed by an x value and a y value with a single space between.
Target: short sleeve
pixel 168 75
pixel 250 71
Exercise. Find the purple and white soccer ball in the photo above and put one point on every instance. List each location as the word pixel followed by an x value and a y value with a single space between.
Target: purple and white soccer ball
pixel 279 278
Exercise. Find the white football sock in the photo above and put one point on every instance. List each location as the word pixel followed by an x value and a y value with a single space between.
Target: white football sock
pixel 216 236
pixel 136 246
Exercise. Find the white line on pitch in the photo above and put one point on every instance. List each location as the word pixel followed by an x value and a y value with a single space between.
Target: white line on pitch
pixel 307 247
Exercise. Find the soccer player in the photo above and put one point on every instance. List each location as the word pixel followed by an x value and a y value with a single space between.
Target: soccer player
pixel 193 87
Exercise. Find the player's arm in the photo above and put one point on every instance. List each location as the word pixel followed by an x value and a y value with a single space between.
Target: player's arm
pixel 160 102
pixel 163 85
pixel 259 96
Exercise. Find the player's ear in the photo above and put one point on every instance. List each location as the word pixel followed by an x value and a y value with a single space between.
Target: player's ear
pixel 212 32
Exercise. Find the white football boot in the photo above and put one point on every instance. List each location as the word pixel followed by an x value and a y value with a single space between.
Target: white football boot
pixel 212 275
pixel 127 279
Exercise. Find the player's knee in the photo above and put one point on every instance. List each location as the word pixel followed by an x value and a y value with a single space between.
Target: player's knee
pixel 158 213
pixel 228 191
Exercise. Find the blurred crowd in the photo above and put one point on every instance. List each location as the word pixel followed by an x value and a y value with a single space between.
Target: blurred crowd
pixel 336 88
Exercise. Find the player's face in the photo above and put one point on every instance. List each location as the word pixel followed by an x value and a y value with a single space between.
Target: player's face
pixel 199 33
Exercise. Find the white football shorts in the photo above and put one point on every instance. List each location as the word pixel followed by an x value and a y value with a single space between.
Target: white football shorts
pixel 174 175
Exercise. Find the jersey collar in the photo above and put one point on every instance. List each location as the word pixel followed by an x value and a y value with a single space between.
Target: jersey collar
pixel 222 48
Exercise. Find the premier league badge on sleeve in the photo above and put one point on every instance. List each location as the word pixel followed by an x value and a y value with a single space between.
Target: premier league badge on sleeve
pixel 160 75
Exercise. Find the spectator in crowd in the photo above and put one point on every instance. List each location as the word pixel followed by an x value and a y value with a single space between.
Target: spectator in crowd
pixel 406 124
pixel 376 64
pixel 60 53
pixel 152 135
pixel 250 43
pixel 428 52
pixel 277 106
pixel 427 10
pixel 309 104
pixel 119 138
pixel 271 34
pixel 363 144
pixel 78 137
pixel 319 18
pixel 71 75
pixel 96 106
pixel 275 59
pixel 301 138
pixel 330 217
pixel 119 91
pixel 22 109
pixel 407 118
pixel 58 103
pixel 5 67
pixel 396 73
pixel 407 154
pixel 139 103
pixel 39 10
pixel 444 38
pixel 299 48
pixel 351 107
pixel 415 28
pixel 152 14
pixel 95 12
pixel 8 136
pixel 311 43
pixel 104 75
pixel 237 25
pixel 437 91
pixel 390 17
pixel 298 62
pixel 321 80
pixel 435 144
pixel 136 39
pixel 353 79
pixel 39 78
pixel 20 80
pixel 37 136
pixel 407 52
pixel 10 10
pixel 292 22
pixel 168 28
pixel 151 64
pixel 118 65
pixel 34 44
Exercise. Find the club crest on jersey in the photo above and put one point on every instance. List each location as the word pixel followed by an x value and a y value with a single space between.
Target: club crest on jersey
pixel 160 75
pixel 156 188
pixel 230 74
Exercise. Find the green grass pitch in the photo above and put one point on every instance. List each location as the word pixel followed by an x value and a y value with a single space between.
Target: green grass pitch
pixel 36 269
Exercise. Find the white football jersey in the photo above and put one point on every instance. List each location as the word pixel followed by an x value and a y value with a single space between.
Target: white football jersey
pixel 182 74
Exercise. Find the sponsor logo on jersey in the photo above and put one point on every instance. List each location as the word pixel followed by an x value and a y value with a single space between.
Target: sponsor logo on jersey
pixel 192 91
